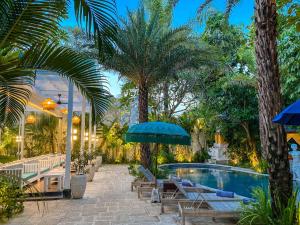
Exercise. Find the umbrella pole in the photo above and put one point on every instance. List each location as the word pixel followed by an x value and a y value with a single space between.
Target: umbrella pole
pixel 156 167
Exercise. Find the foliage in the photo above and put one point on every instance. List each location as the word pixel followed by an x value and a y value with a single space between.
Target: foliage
pixel 289 53
pixel 11 197
pixel 200 156
pixel 112 144
pixel 8 146
pixel 26 46
pixel 41 137
pixel 133 170
pixel 165 157
pixel 7 159
pixel 228 38
pixel 259 211
pixel 161 8
pixel 80 160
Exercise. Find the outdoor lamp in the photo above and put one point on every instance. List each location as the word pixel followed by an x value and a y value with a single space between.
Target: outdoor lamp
pixel 64 111
pixel 74 131
pixel 48 104
pixel 76 120
pixel 18 139
pixel 74 137
pixel 30 119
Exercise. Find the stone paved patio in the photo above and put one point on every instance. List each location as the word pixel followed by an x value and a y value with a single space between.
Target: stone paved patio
pixel 108 201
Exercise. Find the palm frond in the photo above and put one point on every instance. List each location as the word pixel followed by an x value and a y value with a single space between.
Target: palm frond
pixel 205 4
pixel 15 88
pixel 229 6
pixel 99 18
pixel 82 71
pixel 25 22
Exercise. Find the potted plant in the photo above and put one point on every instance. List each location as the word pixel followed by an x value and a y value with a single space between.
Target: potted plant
pixel 79 180
pixel 90 169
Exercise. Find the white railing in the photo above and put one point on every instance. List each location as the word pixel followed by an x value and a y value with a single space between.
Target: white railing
pixel 33 165
pixel 31 168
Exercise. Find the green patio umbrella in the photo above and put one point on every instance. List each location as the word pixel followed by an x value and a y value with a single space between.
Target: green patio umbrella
pixel 159 133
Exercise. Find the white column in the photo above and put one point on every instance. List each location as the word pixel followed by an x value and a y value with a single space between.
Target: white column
pixel 90 131
pixel 69 138
pixel 82 133
pixel 94 144
pixel 22 136
pixel 18 139
pixel 59 139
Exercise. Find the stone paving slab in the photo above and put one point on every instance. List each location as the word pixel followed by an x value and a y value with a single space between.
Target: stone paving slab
pixel 107 201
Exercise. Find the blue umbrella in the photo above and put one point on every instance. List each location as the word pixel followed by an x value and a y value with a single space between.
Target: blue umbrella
pixel 290 115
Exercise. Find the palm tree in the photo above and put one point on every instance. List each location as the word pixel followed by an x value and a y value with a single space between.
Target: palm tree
pixel 146 52
pixel 28 41
pixel 272 136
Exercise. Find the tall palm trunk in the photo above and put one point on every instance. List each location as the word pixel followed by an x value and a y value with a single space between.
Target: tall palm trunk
pixel 166 98
pixel 273 137
pixel 143 117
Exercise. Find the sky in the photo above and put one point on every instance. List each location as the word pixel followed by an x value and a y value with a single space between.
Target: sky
pixel 184 12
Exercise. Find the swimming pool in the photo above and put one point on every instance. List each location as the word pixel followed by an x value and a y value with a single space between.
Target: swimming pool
pixel 219 177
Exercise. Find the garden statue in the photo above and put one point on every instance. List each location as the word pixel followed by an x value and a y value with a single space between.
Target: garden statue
pixel 295 162
pixel 218 151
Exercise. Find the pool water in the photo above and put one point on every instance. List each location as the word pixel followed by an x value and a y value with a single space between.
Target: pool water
pixel 222 178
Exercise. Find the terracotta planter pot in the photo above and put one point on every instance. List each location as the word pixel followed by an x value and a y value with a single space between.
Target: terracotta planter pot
pixel 78 185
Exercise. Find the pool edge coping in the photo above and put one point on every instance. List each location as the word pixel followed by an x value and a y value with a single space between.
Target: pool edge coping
pixel 233 168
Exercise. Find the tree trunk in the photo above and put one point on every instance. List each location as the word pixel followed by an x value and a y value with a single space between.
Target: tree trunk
pixel 273 137
pixel 250 141
pixel 143 117
pixel 166 98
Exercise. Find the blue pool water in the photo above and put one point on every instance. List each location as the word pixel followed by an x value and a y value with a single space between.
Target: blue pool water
pixel 218 177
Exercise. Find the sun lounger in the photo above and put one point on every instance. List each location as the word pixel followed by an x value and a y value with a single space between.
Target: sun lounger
pixel 181 194
pixel 214 209
pixel 147 181
pixel 201 203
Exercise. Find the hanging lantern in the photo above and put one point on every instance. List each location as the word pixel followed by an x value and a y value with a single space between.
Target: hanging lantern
pixel 64 111
pixel 86 136
pixel 30 119
pixel 18 139
pixel 76 120
pixel 48 104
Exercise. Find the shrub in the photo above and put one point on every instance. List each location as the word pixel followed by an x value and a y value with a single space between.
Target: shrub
pixel 165 157
pixel 11 197
pixel 259 212
pixel 200 156
pixel 7 159
pixel 262 166
pixel 133 170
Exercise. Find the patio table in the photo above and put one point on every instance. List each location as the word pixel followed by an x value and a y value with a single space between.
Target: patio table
pixel 51 175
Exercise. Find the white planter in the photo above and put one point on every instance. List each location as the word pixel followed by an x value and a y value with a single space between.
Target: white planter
pixel 90 173
pixel 78 185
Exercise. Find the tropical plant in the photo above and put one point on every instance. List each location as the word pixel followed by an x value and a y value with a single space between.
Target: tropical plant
pixel 259 211
pixel 41 136
pixel 272 136
pixel 11 197
pixel 28 41
pixel 146 52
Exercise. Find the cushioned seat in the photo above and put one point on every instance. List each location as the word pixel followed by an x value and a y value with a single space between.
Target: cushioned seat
pixel 27 176
pixel 44 170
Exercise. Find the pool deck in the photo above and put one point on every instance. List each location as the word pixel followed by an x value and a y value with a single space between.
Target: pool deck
pixel 107 201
